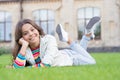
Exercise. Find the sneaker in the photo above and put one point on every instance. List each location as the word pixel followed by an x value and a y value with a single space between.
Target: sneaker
pixel 62 34
pixel 92 36
pixel 91 26
pixel 92 22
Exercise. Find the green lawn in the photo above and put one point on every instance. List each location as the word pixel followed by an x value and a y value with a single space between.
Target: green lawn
pixel 107 68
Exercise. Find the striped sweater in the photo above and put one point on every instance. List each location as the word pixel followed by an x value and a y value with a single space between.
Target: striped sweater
pixel 20 60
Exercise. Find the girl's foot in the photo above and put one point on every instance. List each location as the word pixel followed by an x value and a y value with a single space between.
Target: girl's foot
pixel 62 34
pixel 90 26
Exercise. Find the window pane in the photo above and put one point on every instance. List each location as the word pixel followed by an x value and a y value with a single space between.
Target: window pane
pixel 44 26
pixel 46 20
pixel 50 15
pixel 37 22
pixel 5 26
pixel 88 12
pixel 8 32
pixel 43 14
pixel 96 12
pixel 81 13
pixel 8 16
pixel 81 25
pixel 2 16
pixel 1 31
pixel 51 27
pixel 80 28
pixel 36 15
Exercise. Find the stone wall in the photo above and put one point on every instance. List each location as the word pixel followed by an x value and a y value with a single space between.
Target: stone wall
pixel 66 14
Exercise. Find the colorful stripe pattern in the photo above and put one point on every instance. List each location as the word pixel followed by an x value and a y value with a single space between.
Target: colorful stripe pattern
pixel 36 54
pixel 21 60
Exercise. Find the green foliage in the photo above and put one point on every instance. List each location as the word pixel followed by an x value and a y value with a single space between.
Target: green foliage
pixel 5 50
pixel 107 68
pixel 80 33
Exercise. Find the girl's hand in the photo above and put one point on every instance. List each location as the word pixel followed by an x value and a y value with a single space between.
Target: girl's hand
pixel 23 42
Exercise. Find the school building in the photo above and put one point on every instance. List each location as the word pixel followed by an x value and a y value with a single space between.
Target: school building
pixel 72 14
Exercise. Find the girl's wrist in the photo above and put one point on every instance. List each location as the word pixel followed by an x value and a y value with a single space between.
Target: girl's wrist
pixel 25 46
pixel 23 55
pixel 23 50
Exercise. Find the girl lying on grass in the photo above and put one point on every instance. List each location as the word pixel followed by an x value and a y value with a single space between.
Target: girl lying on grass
pixel 34 48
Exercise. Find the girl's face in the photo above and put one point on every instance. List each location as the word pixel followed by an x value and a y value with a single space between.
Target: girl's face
pixel 30 34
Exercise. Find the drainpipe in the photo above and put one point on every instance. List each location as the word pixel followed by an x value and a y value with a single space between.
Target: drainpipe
pixel 21 9
pixel 118 4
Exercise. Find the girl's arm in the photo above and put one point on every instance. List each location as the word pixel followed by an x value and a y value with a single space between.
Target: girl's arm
pixel 20 60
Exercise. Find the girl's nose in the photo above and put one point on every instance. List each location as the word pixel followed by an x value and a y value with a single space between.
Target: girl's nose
pixel 30 33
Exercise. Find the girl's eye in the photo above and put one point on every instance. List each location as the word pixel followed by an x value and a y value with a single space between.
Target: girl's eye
pixel 24 33
pixel 32 29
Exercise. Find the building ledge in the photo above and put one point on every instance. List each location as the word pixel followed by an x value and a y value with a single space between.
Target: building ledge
pixel 28 0
pixel 100 49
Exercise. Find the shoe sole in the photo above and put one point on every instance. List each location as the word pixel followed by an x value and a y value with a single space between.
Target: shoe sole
pixel 92 22
pixel 59 32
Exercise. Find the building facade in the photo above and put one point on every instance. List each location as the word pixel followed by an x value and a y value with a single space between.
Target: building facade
pixel 72 14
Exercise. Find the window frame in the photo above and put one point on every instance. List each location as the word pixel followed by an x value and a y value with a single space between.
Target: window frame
pixel 85 20
pixel 47 20
pixel 5 22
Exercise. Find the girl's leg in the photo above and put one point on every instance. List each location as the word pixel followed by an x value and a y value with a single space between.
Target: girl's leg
pixel 79 55
pixel 84 41
pixel 89 32
pixel 78 52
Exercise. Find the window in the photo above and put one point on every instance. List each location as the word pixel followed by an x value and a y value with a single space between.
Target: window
pixel 83 17
pixel 45 19
pixel 5 26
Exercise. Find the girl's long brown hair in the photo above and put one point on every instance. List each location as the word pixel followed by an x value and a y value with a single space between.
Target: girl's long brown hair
pixel 18 34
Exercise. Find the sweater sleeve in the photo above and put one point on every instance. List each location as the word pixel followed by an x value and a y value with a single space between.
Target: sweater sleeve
pixel 50 50
pixel 20 61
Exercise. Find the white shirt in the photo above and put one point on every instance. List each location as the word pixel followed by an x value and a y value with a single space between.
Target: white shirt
pixel 49 53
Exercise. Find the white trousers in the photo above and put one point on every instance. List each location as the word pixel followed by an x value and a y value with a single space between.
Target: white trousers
pixel 78 52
